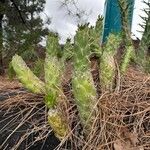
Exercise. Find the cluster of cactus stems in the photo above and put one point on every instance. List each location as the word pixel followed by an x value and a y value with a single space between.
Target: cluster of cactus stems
pixel 51 88
pixel 143 56
pixel 82 83
pixel 86 42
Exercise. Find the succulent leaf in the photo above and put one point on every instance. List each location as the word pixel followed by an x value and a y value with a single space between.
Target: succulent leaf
pixel 26 76
pixel 52 80
pixel 126 59
pixel 83 86
pixel 107 62
pixel 85 97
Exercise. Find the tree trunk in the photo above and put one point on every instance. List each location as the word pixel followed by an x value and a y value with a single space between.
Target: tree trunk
pixel 1 40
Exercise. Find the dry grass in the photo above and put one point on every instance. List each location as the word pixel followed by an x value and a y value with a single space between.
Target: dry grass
pixel 124 117
pixel 23 115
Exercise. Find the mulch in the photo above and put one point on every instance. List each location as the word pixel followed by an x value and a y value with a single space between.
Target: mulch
pixel 23 120
pixel 23 116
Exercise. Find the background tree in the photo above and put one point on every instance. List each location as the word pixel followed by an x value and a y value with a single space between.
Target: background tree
pixel 144 49
pixel 74 10
pixel 22 26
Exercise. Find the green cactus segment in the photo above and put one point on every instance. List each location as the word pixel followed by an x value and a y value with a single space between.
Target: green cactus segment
pixel 68 50
pixel 52 80
pixel 81 42
pixel 113 42
pixel 107 62
pixel 53 98
pixel 82 49
pixel 94 38
pixel 82 82
pixel 85 97
pixel 107 72
pixel 57 124
pixel 26 76
pixel 126 59
pixel 53 47
pixel 126 10
pixel 53 71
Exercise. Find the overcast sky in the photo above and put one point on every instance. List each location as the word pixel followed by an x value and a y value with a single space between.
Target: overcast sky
pixel 66 26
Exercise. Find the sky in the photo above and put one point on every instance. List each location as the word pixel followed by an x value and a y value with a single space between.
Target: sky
pixel 66 25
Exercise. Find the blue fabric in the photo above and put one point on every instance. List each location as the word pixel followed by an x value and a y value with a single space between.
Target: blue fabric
pixel 112 17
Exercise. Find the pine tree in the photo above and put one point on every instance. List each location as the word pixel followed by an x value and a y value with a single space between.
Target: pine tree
pixel 143 57
pixel 27 35
pixel 23 27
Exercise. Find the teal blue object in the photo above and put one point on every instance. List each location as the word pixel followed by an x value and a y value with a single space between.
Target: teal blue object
pixel 112 17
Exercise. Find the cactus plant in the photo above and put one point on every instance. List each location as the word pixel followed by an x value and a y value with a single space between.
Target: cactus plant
pixel 107 62
pixel 53 69
pixel 49 88
pixel 83 85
